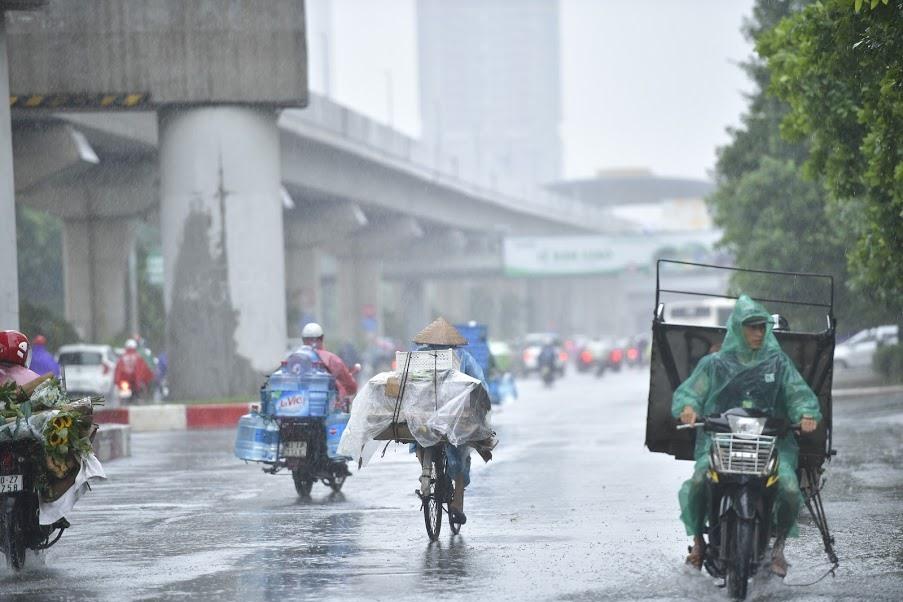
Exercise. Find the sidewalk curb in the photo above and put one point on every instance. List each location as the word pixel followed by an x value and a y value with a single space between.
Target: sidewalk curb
pixel 174 417
pixel 867 391
pixel 113 441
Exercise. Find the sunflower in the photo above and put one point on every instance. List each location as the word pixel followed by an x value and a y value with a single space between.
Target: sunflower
pixel 57 440
pixel 62 422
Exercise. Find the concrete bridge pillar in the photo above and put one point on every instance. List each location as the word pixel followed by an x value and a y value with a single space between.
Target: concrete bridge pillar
pixel 414 307
pixel 9 274
pixel 95 272
pixel 223 248
pixel 302 280
pixel 360 308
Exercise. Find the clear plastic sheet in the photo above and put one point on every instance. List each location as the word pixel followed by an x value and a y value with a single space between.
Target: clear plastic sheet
pixel 451 407
pixel 27 428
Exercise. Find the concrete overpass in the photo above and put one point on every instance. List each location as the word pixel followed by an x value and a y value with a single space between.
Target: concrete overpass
pixel 254 199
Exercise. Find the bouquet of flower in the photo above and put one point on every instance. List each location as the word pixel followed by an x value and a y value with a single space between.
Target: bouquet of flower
pixel 67 438
pixel 41 410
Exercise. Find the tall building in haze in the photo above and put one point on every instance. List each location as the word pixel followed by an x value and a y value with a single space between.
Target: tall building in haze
pixel 489 87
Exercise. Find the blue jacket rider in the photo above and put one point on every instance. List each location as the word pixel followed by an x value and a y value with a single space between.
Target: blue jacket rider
pixel 442 335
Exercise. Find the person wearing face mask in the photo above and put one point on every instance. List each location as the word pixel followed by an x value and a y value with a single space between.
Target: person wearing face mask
pixel 750 371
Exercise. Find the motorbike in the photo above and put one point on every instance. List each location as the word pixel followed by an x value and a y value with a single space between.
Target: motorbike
pixel 742 478
pixel 20 529
pixel 297 426
pixel 547 372
pixel 127 392
pixel 744 462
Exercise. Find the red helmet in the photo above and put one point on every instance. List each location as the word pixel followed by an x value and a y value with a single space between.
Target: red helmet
pixel 39 340
pixel 14 347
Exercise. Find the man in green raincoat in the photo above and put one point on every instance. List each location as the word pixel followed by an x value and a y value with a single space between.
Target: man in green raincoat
pixel 751 371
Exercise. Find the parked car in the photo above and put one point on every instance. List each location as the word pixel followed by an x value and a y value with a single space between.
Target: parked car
pixel 88 369
pixel 858 350
pixel 532 345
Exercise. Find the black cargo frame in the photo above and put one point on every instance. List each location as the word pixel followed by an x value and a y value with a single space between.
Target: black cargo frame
pixel 677 348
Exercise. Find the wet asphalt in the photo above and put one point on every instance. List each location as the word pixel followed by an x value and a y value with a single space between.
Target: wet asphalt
pixel 573 507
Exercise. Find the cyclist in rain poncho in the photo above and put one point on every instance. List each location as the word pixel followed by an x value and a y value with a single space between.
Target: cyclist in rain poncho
pixel 749 371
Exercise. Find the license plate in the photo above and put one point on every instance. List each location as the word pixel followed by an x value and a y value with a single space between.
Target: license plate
pixel 10 483
pixel 294 449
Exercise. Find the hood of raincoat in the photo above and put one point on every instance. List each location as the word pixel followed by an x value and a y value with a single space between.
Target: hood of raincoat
pixel 734 342
pixel 739 376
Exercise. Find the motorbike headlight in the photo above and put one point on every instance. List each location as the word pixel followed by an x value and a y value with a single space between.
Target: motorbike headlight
pixel 742 425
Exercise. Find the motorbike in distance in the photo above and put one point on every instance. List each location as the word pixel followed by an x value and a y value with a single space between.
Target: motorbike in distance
pixel 742 481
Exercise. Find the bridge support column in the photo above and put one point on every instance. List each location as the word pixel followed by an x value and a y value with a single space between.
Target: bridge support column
pixel 9 273
pixel 360 308
pixel 302 280
pixel 95 272
pixel 414 309
pixel 223 248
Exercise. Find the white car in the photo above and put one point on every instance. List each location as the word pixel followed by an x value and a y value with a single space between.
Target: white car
pixel 88 368
pixel 858 350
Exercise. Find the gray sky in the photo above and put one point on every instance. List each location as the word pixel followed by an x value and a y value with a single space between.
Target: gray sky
pixel 648 83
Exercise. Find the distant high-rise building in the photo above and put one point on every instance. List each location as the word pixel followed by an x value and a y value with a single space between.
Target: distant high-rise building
pixel 489 87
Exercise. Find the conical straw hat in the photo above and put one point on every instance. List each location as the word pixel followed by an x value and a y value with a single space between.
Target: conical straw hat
pixel 440 332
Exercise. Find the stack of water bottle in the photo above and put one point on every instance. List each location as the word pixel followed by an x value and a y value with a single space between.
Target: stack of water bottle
pixel 300 390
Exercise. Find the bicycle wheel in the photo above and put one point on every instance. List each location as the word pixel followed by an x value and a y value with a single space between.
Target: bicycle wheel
pixel 432 502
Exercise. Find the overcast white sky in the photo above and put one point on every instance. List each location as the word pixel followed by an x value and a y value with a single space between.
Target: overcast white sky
pixel 646 83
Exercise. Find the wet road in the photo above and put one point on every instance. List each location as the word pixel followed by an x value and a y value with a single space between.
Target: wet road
pixel 572 508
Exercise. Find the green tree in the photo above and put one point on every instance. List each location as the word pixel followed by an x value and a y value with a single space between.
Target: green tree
pixel 39 256
pixel 840 71
pixel 772 215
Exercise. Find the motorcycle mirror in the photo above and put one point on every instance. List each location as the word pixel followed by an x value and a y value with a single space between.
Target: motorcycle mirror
pixel 779 322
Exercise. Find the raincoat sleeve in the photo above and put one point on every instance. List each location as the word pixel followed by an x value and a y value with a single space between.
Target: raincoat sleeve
pixel 798 397
pixel 695 390
pixel 470 367
pixel 343 376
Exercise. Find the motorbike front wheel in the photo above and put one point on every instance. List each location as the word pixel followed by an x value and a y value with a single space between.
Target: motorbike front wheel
pixel 12 537
pixel 743 542
pixel 303 483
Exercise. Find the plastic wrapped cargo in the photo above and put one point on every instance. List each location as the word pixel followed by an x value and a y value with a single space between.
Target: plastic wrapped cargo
pixel 450 407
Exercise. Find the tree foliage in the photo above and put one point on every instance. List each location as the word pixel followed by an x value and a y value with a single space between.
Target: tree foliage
pixel 39 259
pixel 840 70
pixel 772 214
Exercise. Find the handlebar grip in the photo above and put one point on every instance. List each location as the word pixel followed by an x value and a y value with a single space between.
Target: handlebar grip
pixel 683 427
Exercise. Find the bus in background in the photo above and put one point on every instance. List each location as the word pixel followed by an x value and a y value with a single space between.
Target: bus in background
pixel 699 312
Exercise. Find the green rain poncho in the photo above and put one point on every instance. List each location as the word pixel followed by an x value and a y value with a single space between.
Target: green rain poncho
pixel 739 376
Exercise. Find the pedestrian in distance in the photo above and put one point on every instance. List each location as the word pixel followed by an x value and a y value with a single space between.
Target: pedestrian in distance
pixel 42 361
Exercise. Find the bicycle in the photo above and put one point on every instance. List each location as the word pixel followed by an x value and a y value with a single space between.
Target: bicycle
pixel 437 490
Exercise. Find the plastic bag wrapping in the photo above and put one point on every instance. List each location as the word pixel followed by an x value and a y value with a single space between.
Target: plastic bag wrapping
pixel 26 428
pixel 452 407
pixel 89 472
